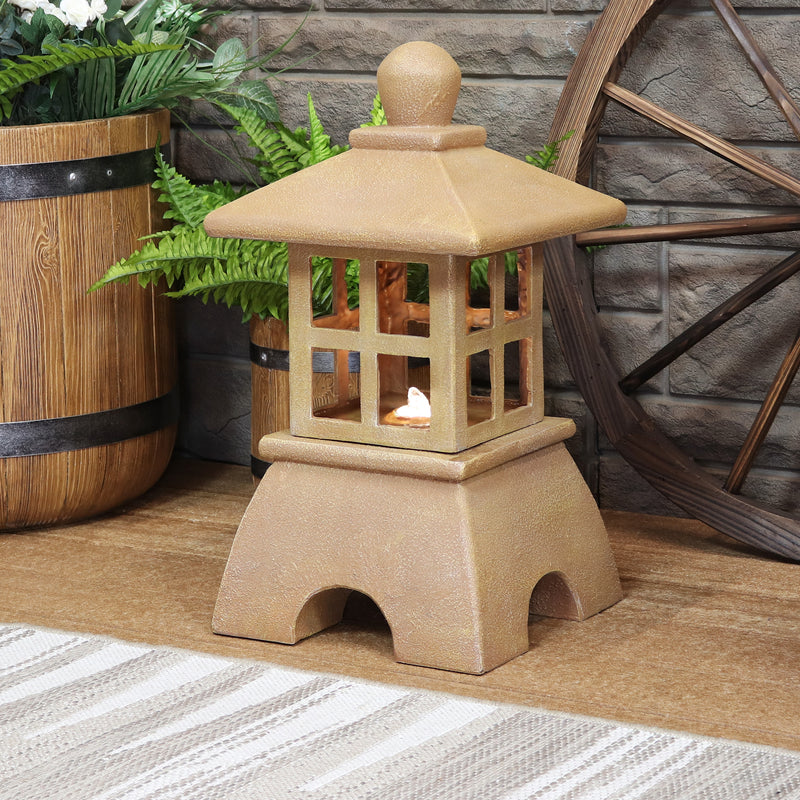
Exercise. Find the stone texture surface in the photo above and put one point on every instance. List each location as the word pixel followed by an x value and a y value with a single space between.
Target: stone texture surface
pixel 515 55
pixel 497 45
pixel 631 276
pixel 211 329
pixel 270 5
pixel 215 405
pixel 713 430
pixel 738 360
pixel 622 488
pixel 664 171
pixel 436 5
pixel 632 337
pixel 680 70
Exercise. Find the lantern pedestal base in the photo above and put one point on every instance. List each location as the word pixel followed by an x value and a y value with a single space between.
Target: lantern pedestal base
pixel 454 549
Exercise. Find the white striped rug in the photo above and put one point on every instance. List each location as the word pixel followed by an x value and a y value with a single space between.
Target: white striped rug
pixel 92 718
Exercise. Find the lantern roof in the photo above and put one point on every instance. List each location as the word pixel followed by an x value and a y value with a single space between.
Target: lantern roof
pixel 419 184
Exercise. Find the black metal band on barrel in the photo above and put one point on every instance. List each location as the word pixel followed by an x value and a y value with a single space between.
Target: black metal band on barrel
pixel 270 358
pixel 83 175
pixel 61 434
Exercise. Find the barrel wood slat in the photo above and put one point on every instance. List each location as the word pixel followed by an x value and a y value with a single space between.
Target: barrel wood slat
pixel 66 353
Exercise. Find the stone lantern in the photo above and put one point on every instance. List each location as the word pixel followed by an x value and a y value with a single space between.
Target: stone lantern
pixel 453 505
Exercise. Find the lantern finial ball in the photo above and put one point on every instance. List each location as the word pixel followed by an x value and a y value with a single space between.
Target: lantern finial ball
pixel 419 84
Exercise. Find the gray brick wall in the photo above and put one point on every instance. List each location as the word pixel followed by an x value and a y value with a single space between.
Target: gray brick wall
pixel 514 55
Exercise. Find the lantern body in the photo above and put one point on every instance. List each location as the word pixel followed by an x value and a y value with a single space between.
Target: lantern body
pixel 452 502
pixel 436 346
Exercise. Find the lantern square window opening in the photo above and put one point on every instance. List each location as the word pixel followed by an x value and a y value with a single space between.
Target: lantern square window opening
pixel 479 387
pixel 403 298
pixel 518 390
pixel 335 286
pixel 337 390
pixel 404 391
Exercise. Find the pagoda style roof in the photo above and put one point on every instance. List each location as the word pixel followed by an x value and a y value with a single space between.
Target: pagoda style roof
pixel 420 184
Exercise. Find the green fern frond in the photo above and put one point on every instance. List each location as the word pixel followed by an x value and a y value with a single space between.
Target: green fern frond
pixel 252 277
pixel 14 75
pixel 177 257
pixel 296 142
pixel 319 142
pixel 546 157
pixel 188 204
pixel 377 116
pixel 273 158
pixel 322 284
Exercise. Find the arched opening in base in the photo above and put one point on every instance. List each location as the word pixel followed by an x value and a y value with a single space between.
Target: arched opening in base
pixel 552 597
pixel 330 606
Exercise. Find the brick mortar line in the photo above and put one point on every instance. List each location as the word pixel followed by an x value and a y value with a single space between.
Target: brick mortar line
pixel 498 79
pixel 701 400
pixel 512 16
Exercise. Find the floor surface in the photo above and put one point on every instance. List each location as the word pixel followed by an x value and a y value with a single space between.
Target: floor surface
pixel 706 640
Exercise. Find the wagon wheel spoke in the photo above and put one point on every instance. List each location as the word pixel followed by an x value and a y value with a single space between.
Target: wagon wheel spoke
pixel 764 419
pixel 708 141
pixel 739 226
pixel 632 428
pixel 759 62
pixel 710 322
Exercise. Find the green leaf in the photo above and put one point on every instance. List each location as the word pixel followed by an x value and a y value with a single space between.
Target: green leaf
pixel 256 96
pixel 188 204
pixel 10 47
pixel 229 61
pixel 113 7
pixel 377 115
pixel 319 141
pixel 548 155
pixel 275 157
pixel 117 31
pixel 14 75
pixel 252 276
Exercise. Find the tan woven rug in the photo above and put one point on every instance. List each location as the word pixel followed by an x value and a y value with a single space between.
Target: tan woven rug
pixel 86 717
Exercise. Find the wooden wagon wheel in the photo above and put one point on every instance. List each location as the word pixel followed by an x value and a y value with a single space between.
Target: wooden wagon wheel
pixel 588 89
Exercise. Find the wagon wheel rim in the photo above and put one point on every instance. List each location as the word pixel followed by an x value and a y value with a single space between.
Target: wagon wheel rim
pixel 591 85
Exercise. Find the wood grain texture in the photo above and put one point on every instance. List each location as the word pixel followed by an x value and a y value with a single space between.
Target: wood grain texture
pixel 706 639
pixel 632 432
pixel 601 59
pixel 738 226
pixel 764 418
pixel 65 352
pixel 270 387
pixel 568 287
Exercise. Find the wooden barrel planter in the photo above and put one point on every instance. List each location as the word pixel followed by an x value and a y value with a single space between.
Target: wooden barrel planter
pixel 88 404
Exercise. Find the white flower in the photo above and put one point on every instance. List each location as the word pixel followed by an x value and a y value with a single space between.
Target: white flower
pixel 26 5
pixel 29 6
pixel 72 12
pixel 77 13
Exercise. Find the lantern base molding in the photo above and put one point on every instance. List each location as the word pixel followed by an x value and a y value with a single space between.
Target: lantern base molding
pixel 455 549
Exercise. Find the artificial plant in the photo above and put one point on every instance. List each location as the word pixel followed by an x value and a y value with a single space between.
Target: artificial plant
pixel 247 273
pixel 71 60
